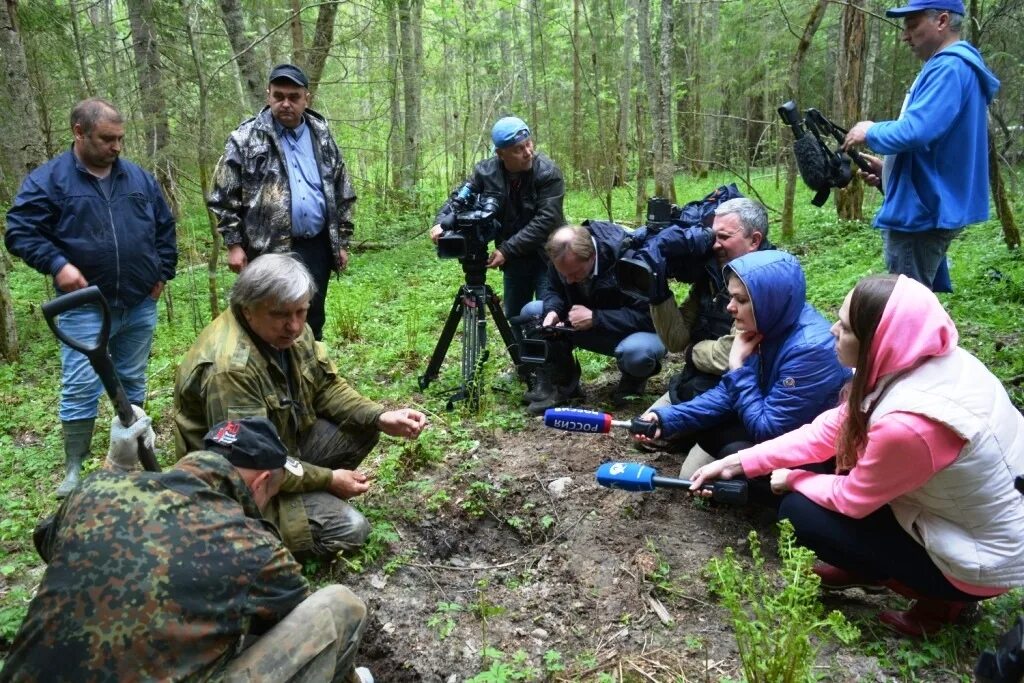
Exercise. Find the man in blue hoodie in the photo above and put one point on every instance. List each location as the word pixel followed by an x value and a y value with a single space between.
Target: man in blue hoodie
pixel 935 172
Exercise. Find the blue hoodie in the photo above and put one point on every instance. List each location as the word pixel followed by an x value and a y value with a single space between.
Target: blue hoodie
pixel 792 376
pixel 939 178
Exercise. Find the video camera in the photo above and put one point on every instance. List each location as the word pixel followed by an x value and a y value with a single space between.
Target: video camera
pixel 470 224
pixel 821 168
pixel 538 339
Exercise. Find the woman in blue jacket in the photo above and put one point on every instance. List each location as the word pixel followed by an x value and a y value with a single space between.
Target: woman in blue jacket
pixel 783 369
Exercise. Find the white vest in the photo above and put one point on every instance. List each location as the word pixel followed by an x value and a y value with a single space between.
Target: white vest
pixel 968 516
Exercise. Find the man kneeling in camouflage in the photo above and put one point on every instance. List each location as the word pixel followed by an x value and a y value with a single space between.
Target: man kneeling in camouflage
pixel 259 358
pixel 160 576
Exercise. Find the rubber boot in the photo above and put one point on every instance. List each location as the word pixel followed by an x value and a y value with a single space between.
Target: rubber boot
pixel 836 579
pixel 77 441
pixel 926 616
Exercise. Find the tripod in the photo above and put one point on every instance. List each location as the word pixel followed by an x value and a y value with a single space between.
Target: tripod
pixel 470 300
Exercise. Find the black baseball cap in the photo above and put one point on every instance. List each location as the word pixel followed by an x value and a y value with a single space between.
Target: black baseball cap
pixel 288 72
pixel 251 443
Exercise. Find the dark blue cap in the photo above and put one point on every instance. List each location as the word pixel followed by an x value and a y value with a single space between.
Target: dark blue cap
pixel 288 72
pixel 509 131
pixel 954 6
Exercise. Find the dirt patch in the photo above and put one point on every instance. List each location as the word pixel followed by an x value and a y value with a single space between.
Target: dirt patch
pixel 508 564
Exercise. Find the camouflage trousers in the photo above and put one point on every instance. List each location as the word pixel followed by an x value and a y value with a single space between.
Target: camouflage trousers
pixel 318 522
pixel 316 642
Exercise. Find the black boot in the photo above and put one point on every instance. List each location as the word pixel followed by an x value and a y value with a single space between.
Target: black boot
pixel 541 387
pixel 77 441
pixel 628 386
pixel 564 386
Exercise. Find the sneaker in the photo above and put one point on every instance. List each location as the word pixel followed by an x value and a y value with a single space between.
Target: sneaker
pixel 363 675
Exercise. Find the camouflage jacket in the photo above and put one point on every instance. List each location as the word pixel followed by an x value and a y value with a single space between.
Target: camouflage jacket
pixel 154 576
pixel 230 373
pixel 251 197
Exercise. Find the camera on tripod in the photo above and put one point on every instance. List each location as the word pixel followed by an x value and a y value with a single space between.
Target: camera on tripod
pixel 662 250
pixel 470 225
pixel 538 339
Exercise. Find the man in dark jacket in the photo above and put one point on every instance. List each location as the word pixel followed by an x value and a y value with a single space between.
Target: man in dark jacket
pixel 585 295
pixel 530 189
pixel 85 218
pixel 159 576
pixel 281 186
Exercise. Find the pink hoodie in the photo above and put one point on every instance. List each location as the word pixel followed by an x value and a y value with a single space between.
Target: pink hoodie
pixel 913 328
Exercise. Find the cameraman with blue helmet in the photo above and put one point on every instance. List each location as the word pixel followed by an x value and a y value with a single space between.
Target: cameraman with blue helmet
pixel 530 189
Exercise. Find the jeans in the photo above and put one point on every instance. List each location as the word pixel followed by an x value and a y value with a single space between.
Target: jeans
pixel 131 336
pixel 637 354
pixel 918 255
pixel 875 547
pixel 524 279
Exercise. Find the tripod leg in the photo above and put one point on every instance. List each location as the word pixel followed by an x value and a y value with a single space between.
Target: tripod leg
pixel 474 340
pixel 505 330
pixel 443 342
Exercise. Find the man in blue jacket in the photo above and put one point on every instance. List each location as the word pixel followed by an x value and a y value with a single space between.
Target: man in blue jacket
pixel 585 295
pixel 935 172
pixel 86 218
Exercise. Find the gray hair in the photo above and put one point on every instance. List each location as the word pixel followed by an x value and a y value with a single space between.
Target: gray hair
pixel 752 215
pixel 956 21
pixel 272 278
pixel 88 113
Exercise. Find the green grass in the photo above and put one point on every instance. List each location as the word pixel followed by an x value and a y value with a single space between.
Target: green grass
pixel 384 315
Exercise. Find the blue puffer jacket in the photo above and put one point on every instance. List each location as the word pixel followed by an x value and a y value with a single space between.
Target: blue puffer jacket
pixel 792 377
pixel 124 244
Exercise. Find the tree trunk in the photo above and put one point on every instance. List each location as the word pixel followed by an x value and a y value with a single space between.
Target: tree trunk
pixel 647 155
pixel 793 93
pixel 1004 210
pixel 22 146
pixel 577 93
pixel 203 147
pixel 323 36
pixel 625 99
pixel 395 131
pixel 298 40
pixel 249 69
pixel 849 85
pixel 664 164
pixel 149 70
pixel 76 34
pixel 412 55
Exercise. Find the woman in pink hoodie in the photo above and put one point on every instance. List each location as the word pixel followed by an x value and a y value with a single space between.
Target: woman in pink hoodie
pixel 927 447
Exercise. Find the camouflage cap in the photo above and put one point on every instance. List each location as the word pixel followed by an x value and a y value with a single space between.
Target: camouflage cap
pixel 251 443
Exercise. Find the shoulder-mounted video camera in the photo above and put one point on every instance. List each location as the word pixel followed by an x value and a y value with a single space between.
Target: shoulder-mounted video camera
pixel 820 167
pixel 470 224
pixel 674 245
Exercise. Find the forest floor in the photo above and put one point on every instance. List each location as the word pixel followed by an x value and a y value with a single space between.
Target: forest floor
pixel 513 563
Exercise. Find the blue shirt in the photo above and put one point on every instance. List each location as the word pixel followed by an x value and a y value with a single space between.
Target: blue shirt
pixel 309 209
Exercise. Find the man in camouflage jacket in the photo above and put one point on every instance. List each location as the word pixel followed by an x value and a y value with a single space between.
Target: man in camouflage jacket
pixel 281 186
pixel 260 359
pixel 159 576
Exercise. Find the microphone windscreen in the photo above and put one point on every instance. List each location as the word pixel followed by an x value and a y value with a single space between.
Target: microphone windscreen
pixel 628 476
pixel 578 420
pixel 810 160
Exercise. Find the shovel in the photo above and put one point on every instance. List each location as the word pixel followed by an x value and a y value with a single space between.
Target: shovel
pixel 99 357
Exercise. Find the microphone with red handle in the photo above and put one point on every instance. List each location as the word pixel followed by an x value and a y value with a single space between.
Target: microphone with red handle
pixel 594 422
pixel 633 476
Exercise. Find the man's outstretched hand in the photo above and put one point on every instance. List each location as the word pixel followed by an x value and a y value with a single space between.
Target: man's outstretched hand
pixel 404 422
